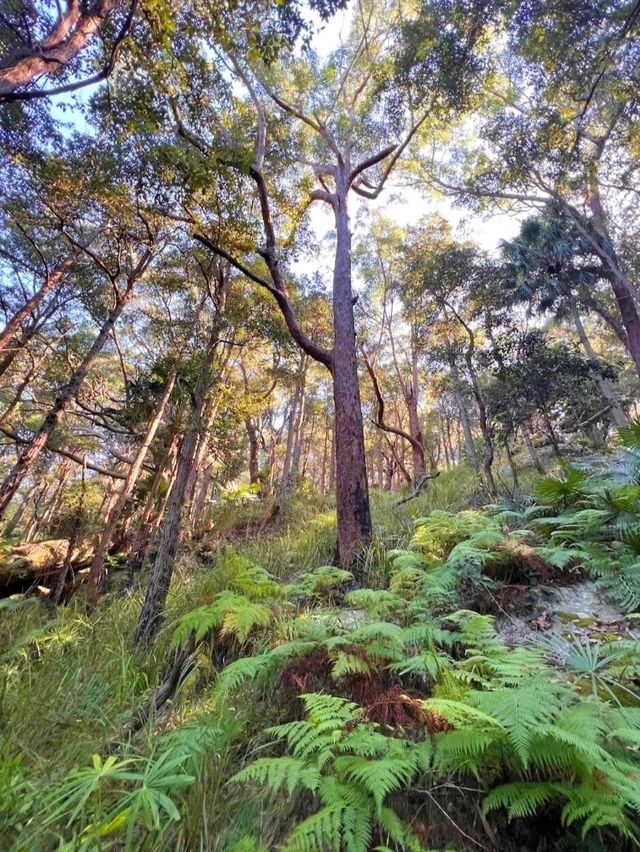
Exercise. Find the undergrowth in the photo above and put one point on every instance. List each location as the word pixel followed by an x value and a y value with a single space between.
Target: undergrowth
pixel 319 715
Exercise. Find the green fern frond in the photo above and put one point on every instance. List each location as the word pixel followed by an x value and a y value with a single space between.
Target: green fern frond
pixel 243 670
pixel 349 664
pixel 381 776
pixel 232 613
pixel 321 580
pixel 520 798
pixel 320 832
pixel 522 710
pixel 377 603
pixel 276 773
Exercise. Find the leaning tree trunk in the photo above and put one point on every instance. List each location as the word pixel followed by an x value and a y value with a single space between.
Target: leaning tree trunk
pixel 158 588
pixel 616 412
pixel 95 573
pixel 621 286
pixel 67 38
pixel 352 493
pixel 417 445
pixel 51 282
pixel 64 399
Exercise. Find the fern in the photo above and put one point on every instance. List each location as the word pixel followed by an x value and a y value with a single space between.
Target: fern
pixel 521 798
pixel 321 581
pixel 277 773
pixel 350 767
pixel 233 614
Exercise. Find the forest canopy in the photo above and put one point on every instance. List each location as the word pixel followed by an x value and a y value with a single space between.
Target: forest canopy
pixel 319 426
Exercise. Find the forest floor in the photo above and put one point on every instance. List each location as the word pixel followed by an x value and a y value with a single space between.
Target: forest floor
pixel 476 675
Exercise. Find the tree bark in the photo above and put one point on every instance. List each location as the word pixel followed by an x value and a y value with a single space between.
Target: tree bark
pixel 352 493
pixel 469 447
pixel 254 447
pixel 158 587
pixel 51 282
pixel 616 412
pixel 67 39
pixel 96 571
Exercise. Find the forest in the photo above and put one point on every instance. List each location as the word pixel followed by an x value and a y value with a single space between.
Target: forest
pixel 319 425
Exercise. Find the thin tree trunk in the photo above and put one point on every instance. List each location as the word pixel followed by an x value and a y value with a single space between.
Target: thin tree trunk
pixel 96 571
pixel 138 546
pixel 616 412
pixel 66 395
pixel 469 447
pixel 254 446
pixel 535 458
pixel 158 587
pixel 552 435
pixel 73 538
pixel 51 282
pixel 19 512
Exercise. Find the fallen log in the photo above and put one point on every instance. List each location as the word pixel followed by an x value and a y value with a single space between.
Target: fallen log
pixel 31 563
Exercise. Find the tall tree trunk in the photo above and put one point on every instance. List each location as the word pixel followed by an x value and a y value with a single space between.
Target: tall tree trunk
pixel 412 401
pixel 618 417
pixel 469 447
pixel 96 571
pixel 254 446
pixel 535 458
pixel 66 395
pixel 332 462
pixel 289 472
pixel 19 512
pixel 158 587
pixel 325 452
pixel 410 393
pixel 136 550
pixel 64 471
pixel 352 493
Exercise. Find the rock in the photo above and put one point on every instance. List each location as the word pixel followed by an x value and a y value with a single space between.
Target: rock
pixel 579 612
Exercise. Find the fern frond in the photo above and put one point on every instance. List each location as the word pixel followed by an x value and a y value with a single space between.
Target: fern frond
pixel 243 670
pixel 276 773
pixel 349 664
pixel 521 798
pixel 379 777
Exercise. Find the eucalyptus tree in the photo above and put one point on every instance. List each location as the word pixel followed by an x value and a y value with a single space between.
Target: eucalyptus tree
pixel 394 331
pixel 350 124
pixel 79 44
pixel 117 242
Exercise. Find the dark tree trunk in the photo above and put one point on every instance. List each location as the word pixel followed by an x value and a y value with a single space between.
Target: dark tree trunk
pixel 352 493
pixel 254 447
